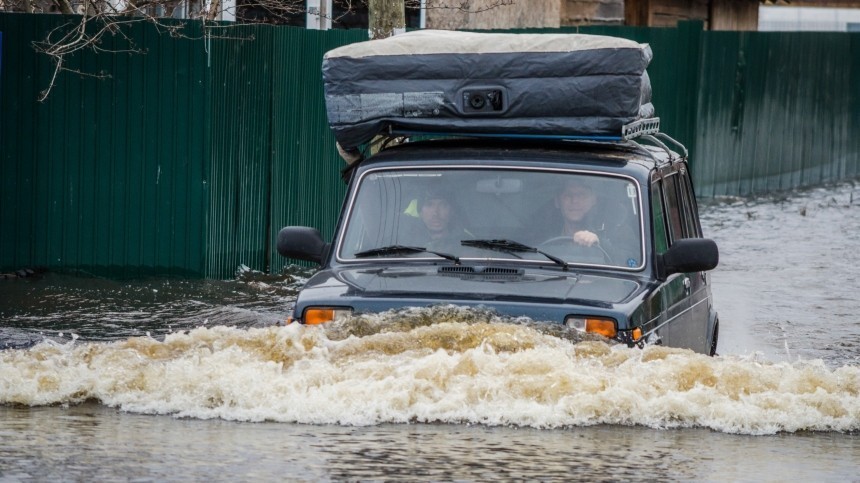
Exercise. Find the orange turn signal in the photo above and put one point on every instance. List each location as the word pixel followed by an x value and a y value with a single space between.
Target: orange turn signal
pixel 318 315
pixel 595 325
pixel 604 327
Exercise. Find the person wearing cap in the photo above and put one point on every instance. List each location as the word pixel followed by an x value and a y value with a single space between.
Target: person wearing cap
pixel 435 211
pixel 441 224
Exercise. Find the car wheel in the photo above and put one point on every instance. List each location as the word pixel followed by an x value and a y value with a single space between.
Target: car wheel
pixel 714 339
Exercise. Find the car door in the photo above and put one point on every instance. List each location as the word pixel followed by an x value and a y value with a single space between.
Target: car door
pixel 665 227
pixel 687 294
pixel 694 331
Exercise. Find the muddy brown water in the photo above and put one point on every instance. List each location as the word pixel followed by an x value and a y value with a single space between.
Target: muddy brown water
pixel 164 379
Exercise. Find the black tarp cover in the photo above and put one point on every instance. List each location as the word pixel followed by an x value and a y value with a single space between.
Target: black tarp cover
pixel 528 84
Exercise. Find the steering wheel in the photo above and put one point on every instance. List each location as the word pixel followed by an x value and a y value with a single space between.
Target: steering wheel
pixel 594 253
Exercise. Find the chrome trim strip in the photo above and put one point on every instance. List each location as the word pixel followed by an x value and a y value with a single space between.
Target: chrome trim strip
pixel 673 318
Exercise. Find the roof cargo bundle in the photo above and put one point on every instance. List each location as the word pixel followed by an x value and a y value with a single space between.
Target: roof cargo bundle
pixel 448 82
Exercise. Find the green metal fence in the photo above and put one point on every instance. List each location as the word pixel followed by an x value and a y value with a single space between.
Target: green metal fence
pixel 105 173
pixel 185 161
pixel 273 161
pixel 190 156
pixel 777 111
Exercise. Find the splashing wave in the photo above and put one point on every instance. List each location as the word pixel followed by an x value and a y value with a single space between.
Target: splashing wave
pixel 442 365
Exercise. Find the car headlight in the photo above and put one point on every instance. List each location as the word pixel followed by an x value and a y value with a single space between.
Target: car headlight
pixel 604 326
pixel 321 315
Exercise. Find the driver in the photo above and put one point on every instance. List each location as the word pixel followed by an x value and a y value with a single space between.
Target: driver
pixel 577 216
pixel 582 218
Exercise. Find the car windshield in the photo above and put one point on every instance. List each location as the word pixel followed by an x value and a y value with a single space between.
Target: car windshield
pixel 547 216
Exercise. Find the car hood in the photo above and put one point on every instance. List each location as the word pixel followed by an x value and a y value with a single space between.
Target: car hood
pixel 476 284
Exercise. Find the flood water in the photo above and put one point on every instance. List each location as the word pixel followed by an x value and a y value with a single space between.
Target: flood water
pixel 166 379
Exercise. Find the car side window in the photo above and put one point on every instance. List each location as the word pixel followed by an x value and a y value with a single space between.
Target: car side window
pixel 691 210
pixel 658 220
pixel 673 207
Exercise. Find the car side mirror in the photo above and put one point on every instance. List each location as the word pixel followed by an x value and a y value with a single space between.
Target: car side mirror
pixel 689 255
pixel 302 242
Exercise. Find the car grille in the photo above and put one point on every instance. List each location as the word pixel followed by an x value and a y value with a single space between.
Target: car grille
pixel 482 272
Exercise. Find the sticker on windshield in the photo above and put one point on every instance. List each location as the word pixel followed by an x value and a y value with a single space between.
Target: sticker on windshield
pixel 631 262
pixel 631 193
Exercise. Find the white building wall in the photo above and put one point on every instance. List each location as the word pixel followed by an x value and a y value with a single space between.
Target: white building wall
pixel 229 10
pixel 771 18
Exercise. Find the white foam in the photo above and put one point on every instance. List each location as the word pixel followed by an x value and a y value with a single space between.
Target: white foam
pixel 457 372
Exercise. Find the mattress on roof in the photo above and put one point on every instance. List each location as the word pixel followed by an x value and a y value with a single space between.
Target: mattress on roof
pixel 438 81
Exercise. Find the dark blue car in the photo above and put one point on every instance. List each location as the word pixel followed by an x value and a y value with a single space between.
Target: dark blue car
pixel 603 237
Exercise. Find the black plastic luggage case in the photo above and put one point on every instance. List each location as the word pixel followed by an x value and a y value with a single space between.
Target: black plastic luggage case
pixel 448 82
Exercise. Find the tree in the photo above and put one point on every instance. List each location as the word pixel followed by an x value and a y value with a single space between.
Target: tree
pixel 386 18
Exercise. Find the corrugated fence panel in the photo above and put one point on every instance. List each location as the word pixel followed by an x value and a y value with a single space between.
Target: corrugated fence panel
pixel 716 154
pixel 776 111
pixel 307 187
pixel 16 156
pixel 91 177
pixel 240 165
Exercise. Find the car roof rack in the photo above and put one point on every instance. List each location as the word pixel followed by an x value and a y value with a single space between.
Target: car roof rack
pixel 469 134
pixel 660 139
pixel 637 132
pixel 642 127
pixel 630 131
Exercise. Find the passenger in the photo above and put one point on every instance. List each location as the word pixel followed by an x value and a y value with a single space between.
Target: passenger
pixel 441 224
pixel 435 212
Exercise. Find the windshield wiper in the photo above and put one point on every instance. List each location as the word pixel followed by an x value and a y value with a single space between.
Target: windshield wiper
pixel 395 249
pixel 510 246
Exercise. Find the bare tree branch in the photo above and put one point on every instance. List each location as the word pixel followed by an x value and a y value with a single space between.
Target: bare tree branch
pixel 102 18
pixel 65 7
pixel 463 6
